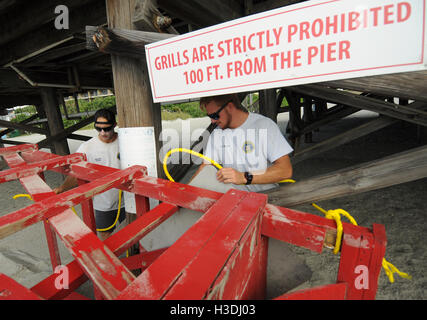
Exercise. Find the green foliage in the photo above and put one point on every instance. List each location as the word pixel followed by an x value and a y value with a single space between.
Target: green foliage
pixel 182 110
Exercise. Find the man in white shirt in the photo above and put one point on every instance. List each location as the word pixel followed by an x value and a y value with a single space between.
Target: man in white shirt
pixel 104 150
pixel 250 147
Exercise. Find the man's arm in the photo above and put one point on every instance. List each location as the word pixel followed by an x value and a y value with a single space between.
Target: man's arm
pixel 281 169
pixel 69 183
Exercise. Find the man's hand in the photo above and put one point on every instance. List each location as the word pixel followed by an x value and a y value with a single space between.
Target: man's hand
pixel 58 190
pixel 230 175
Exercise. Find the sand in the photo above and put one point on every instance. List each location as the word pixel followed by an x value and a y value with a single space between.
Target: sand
pixel 401 208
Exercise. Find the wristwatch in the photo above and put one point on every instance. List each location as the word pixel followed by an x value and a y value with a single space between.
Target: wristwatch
pixel 248 177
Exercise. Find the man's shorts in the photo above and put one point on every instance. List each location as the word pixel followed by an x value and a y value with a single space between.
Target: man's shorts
pixel 105 219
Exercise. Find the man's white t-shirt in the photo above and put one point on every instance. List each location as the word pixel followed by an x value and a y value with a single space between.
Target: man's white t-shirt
pixel 252 147
pixel 106 154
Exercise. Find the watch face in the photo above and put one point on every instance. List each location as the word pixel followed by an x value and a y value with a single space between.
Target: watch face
pixel 248 177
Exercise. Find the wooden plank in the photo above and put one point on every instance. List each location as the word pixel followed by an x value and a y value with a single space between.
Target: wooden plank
pixel 53 114
pixel 336 291
pixel 224 266
pixel 121 41
pixel 12 290
pixel 409 85
pixel 20 126
pixel 335 113
pixel 413 113
pixel 155 281
pixel 117 243
pixel 21 148
pixel 343 138
pixel 198 199
pixel 148 17
pixel 356 252
pixel 38 190
pixel 375 266
pixel 135 107
pixel 25 121
pixel 203 13
pixel 42 36
pixel 98 262
pixel 47 208
pixel 400 168
pixel 277 225
pixel 183 195
pixel 32 169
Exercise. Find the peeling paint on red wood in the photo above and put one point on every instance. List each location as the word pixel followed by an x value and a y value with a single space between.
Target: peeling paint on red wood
pixel 222 256
pixel 12 290
pixel 55 204
pixel 32 169
pixel 154 282
pixel 334 291
pixel 20 148
pixel 225 264
pixel 118 243
pixel 97 260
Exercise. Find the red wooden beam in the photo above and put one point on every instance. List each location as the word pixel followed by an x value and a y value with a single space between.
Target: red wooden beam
pixel 217 223
pixel 334 291
pixel 117 243
pixel 12 290
pixel 360 264
pixel 19 148
pixel 225 265
pixel 38 190
pixel 32 169
pixel 98 262
pixel 55 204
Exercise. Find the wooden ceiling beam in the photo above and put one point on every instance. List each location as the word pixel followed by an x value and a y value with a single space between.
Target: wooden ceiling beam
pixel 271 4
pixel 10 79
pixel 411 113
pixel 47 34
pixel 408 85
pixel 203 13
pixel 31 15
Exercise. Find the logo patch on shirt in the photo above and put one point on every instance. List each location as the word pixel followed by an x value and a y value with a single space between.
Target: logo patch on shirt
pixel 248 147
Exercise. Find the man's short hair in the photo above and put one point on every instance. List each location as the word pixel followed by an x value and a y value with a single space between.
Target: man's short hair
pixel 107 114
pixel 220 100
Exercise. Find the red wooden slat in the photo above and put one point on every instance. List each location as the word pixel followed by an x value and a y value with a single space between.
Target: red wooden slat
pixel 356 250
pixel 334 291
pixel 12 290
pixel 154 282
pixel 375 266
pixel 31 169
pixel 117 242
pixel 55 204
pixel 277 225
pixel 38 190
pixel 99 263
pixel 238 235
pixel 97 260
pixel 19 148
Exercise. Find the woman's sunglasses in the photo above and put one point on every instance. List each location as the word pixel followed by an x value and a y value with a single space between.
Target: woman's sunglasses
pixel 215 115
pixel 106 129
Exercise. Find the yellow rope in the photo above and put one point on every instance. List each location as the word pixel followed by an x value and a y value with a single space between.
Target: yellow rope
pixel 118 214
pixel 74 210
pixel 389 268
pixel 216 164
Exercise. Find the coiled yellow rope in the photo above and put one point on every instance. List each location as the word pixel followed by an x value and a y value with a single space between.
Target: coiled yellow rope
pixel 389 268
